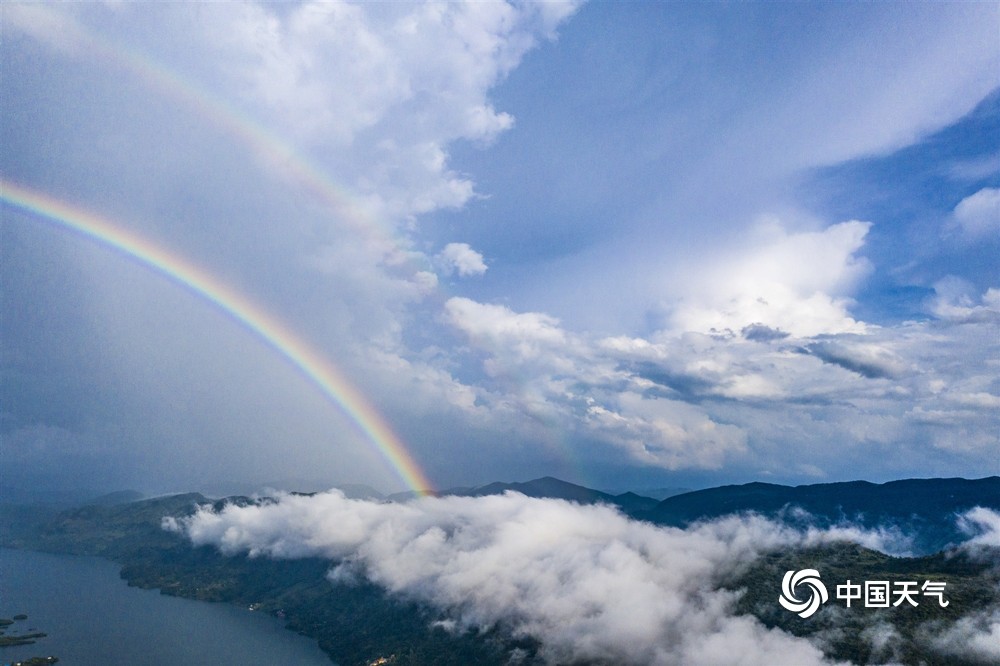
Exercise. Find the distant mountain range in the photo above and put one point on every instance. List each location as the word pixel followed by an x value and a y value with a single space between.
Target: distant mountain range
pixel 357 622
pixel 553 488
pixel 923 509
pixel 857 501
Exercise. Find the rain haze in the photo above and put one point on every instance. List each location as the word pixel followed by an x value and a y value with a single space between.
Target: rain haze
pixel 652 245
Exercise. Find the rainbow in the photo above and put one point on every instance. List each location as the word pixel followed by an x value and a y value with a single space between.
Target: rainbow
pixel 272 332
pixel 284 159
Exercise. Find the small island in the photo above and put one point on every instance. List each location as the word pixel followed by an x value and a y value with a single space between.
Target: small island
pixel 23 639
pixel 17 639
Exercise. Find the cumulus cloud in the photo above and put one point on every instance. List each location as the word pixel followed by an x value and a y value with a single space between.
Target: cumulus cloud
pixel 385 86
pixel 956 299
pixel 580 385
pixel 585 581
pixel 370 96
pixel 978 215
pixel 405 55
pixel 696 400
pixel 528 335
pixel 400 57
pixel 792 282
pixel 460 258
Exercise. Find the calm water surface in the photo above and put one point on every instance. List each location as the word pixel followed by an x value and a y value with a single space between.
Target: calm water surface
pixel 93 618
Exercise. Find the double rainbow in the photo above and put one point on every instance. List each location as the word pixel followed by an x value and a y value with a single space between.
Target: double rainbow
pixel 323 374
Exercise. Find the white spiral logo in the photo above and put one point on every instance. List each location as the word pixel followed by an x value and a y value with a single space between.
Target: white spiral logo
pixel 817 592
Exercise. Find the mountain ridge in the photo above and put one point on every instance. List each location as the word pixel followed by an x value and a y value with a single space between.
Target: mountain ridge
pixel 925 508
pixel 924 511
pixel 552 488
pixel 359 623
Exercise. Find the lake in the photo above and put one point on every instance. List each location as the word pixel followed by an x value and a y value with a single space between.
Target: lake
pixel 93 617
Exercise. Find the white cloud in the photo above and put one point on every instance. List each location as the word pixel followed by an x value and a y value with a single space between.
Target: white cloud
pixel 885 641
pixel 371 95
pixel 585 581
pixel 978 215
pixel 982 525
pixel 420 386
pixel 543 372
pixel 702 401
pixel 956 299
pixel 975 637
pixel 666 433
pixel 383 88
pixel 793 282
pixel 528 335
pixel 463 259
pixel 332 69
pixel 978 400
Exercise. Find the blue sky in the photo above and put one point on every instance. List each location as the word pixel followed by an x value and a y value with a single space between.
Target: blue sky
pixel 630 245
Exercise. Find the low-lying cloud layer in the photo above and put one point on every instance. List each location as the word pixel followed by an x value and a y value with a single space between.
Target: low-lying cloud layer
pixel 587 582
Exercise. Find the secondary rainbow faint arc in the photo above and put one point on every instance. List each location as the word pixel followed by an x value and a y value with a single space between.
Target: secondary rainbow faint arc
pixel 275 334
pixel 283 157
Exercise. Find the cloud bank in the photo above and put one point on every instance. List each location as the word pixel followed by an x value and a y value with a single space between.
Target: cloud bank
pixel 587 582
pixel 682 399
